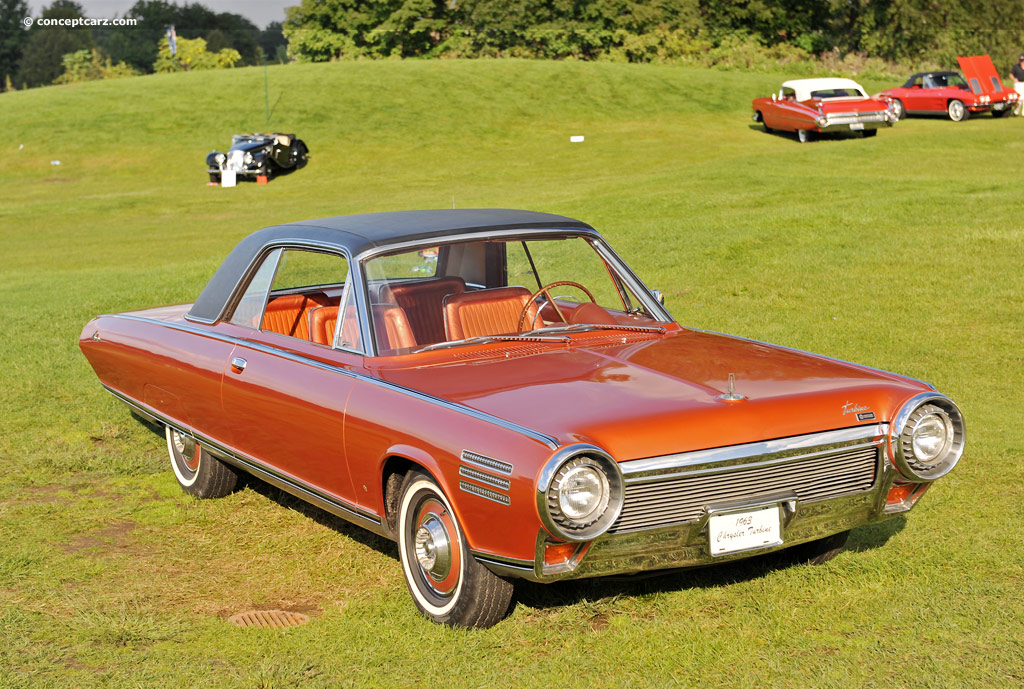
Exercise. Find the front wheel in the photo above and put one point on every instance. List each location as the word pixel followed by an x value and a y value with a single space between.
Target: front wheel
pixel 197 471
pixel 446 582
pixel 898 110
pixel 957 111
pixel 868 133
pixel 803 135
pixel 1001 113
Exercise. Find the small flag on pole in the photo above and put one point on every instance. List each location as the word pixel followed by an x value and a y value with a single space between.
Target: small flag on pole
pixel 172 40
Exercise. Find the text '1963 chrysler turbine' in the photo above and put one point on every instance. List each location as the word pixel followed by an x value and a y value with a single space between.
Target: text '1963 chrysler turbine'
pixel 498 392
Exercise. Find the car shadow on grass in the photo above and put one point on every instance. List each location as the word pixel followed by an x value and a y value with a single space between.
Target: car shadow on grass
pixel 318 515
pixel 831 136
pixel 565 593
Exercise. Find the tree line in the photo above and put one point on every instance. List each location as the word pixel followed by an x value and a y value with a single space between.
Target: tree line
pixel 884 37
pixel 42 55
pixel 922 33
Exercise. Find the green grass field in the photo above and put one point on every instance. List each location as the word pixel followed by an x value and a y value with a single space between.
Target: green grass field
pixel 903 252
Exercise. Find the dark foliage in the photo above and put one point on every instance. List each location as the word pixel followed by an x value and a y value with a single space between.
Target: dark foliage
pixel 41 59
pixel 13 37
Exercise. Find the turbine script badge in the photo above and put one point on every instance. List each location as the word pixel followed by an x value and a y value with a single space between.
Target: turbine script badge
pixel 862 412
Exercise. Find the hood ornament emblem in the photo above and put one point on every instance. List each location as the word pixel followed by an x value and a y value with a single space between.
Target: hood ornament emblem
pixel 732 395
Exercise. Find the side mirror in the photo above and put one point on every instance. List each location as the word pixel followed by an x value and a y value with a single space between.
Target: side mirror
pixel 659 296
pixel 774 97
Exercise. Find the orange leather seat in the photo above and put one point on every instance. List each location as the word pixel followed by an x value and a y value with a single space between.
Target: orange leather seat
pixel 487 312
pixel 289 315
pixel 391 327
pixel 423 302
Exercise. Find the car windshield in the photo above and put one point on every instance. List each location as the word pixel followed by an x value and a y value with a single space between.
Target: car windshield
pixel 848 92
pixel 247 138
pixel 941 81
pixel 541 288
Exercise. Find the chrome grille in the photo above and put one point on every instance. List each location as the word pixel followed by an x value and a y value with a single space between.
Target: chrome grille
pixel 684 497
pixel 850 118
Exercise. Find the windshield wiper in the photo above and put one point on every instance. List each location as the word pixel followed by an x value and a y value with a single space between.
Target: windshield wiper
pixel 587 327
pixel 485 339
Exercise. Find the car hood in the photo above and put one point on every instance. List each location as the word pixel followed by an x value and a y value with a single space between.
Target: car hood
pixel 660 395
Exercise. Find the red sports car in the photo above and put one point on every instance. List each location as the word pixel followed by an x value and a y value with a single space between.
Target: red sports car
pixel 806 106
pixel 948 93
pixel 499 393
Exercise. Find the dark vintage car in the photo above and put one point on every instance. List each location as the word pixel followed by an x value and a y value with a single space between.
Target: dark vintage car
pixel 258 155
pixel 950 94
pixel 499 393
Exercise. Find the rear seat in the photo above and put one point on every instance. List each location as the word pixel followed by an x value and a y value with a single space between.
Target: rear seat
pixel 289 315
pixel 390 322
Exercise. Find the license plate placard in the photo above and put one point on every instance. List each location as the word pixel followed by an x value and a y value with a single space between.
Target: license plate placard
pixel 856 125
pixel 732 532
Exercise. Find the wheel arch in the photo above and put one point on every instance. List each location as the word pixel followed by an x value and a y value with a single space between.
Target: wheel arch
pixel 399 461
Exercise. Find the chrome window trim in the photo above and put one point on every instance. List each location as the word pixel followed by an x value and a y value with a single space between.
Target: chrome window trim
pixel 548 440
pixel 473 236
pixel 736 457
pixel 632 281
pixel 335 505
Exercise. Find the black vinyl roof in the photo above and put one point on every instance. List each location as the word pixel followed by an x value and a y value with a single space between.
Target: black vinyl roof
pixel 356 234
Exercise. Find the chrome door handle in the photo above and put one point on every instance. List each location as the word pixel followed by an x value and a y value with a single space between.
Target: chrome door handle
pixel 238 364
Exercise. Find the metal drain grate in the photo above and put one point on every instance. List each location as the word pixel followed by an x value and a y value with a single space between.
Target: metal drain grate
pixel 268 619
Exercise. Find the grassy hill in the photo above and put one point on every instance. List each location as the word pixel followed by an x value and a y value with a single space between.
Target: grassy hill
pixel 903 252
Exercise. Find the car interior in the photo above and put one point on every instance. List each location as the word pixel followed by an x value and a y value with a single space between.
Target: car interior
pixel 449 293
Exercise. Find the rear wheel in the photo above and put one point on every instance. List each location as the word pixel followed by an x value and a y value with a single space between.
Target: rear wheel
pixel 197 471
pixel 869 133
pixel 957 111
pixel 446 582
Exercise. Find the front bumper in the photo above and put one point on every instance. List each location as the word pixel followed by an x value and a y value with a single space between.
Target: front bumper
pixel 824 483
pixel 251 171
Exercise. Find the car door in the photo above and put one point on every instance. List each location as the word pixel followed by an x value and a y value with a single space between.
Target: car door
pixel 284 394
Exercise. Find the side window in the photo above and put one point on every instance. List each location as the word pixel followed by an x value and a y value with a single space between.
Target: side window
pixel 250 307
pixel 299 293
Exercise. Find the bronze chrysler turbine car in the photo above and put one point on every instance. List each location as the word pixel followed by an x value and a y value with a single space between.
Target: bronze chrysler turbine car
pixel 499 393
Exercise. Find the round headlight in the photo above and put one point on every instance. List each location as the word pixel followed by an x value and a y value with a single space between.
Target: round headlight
pixel 220 158
pixel 582 491
pixel 928 436
pixel 579 493
pixel 248 157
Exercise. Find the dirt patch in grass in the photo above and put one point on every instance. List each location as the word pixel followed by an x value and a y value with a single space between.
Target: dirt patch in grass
pixel 42 495
pixel 112 538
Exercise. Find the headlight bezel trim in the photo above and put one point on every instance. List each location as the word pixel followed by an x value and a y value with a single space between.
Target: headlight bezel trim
pixel 616 493
pixel 923 472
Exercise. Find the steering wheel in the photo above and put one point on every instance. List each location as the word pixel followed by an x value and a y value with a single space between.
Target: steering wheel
pixel 544 290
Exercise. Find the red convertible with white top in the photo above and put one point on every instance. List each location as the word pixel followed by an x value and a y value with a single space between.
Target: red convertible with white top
pixel 811 106
pixel 499 393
